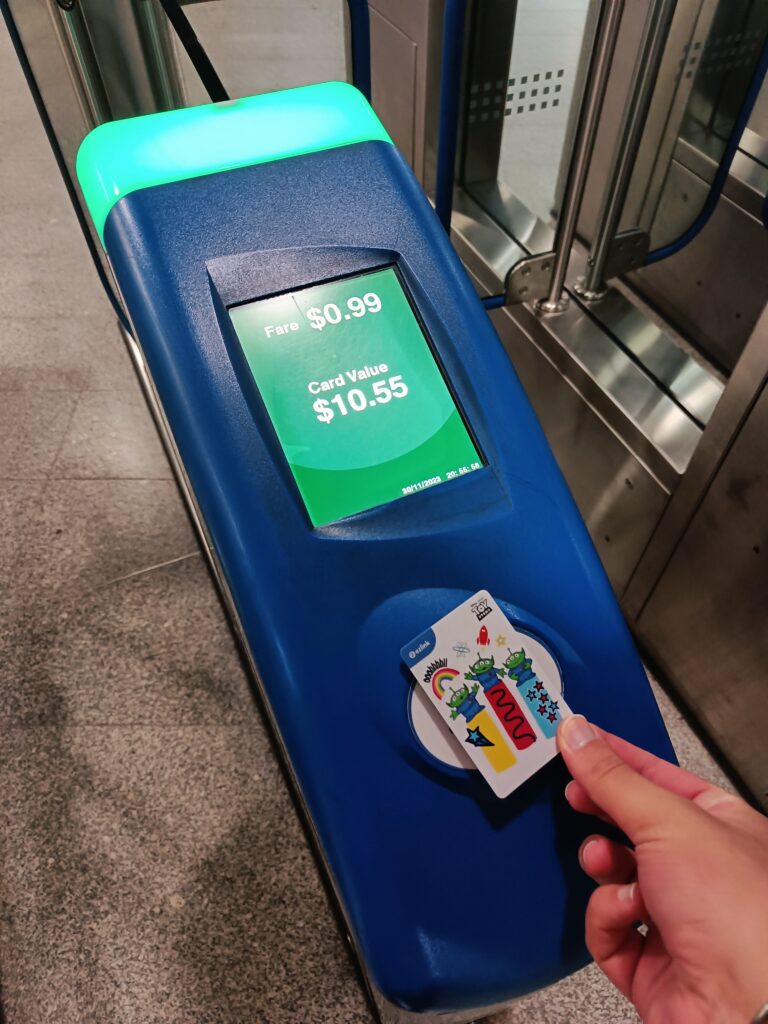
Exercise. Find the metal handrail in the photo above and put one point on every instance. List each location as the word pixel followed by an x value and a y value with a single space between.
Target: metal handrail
pixel 650 55
pixel 603 49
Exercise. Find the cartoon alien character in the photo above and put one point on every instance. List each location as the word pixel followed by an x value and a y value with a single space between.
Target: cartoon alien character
pixel 464 702
pixel 484 672
pixel 519 667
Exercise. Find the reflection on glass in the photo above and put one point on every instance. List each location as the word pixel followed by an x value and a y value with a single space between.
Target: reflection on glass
pixel 524 91
pixel 723 71
pixel 707 72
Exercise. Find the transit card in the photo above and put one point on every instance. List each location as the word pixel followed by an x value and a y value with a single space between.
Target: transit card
pixel 497 690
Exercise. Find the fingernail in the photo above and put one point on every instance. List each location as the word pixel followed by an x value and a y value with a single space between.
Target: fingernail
pixel 626 893
pixel 577 732
pixel 571 783
pixel 583 851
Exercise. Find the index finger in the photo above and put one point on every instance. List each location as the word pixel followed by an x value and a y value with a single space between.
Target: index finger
pixel 638 806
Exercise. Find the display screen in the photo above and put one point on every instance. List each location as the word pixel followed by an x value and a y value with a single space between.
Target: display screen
pixel 359 405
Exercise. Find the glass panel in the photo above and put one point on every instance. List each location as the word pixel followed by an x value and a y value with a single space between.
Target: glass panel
pixel 725 69
pixel 525 85
pixel 712 56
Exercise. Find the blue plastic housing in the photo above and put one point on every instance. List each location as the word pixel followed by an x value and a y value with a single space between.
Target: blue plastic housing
pixel 455 898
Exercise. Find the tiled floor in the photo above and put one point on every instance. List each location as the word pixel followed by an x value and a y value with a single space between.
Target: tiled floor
pixel 152 870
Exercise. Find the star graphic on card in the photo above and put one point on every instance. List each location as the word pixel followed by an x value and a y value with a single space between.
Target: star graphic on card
pixel 552 716
pixel 501 641
pixel 476 738
pixel 531 695
pixel 542 709
pixel 553 705
pixel 539 686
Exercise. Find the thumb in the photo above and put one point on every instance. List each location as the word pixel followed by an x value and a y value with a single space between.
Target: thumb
pixel 637 805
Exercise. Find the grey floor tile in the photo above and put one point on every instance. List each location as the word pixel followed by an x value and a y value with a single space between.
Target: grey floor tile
pixel 29 230
pixel 30 159
pixel 153 649
pixel 35 286
pixel 144 883
pixel 32 427
pixel 63 353
pixel 585 998
pixel 19 500
pixel 28 172
pixel 88 532
pixel 112 434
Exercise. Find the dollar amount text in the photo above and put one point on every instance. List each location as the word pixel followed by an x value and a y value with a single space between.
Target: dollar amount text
pixel 358 400
pixel 354 308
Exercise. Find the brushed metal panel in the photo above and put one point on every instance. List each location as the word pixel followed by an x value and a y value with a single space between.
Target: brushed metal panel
pixel 690 383
pixel 707 620
pixel 653 426
pixel 747 181
pixel 410 16
pixel 393 82
pixel 714 289
pixel 620 500
pixel 732 412
pixel 679 202
pixel 758 122
pixel 752 142
pixel 406 42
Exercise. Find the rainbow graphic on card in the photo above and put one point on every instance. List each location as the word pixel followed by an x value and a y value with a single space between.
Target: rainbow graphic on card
pixel 441 678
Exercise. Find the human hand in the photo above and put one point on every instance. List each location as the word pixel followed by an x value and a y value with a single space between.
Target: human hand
pixel 697 877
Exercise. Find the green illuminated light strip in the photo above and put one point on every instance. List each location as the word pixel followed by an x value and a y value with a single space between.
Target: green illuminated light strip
pixel 120 157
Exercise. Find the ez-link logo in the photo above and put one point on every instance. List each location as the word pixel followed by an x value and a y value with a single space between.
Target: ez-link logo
pixel 423 646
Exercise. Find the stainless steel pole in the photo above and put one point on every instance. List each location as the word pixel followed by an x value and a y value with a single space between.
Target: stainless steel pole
pixel 584 143
pixel 651 53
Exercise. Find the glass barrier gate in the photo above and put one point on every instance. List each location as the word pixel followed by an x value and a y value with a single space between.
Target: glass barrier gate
pixel 648 370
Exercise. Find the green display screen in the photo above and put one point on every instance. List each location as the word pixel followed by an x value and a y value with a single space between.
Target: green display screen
pixel 359 405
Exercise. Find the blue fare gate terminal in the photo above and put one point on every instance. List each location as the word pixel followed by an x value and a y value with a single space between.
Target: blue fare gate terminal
pixel 363 459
